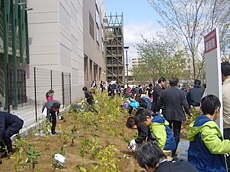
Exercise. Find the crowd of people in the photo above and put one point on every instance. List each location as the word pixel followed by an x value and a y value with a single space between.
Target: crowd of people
pixel 208 148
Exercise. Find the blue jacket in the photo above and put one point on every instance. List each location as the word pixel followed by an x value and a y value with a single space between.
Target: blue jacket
pixel 162 131
pixel 147 101
pixel 134 103
pixel 207 147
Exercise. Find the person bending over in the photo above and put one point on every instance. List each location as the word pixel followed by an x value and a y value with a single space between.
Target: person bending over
pixel 151 157
pixel 51 108
pixel 144 133
pixel 159 127
pixel 9 125
pixel 89 98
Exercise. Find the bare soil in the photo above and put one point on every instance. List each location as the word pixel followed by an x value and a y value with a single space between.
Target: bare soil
pixel 108 129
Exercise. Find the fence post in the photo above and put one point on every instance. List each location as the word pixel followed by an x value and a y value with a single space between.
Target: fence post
pixel 51 79
pixel 8 87
pixel 35 95
pixel 70 88
pixel 63 94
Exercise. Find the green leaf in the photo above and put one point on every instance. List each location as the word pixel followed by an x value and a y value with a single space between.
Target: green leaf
pixel 95 167
pixel 114 165
pixel 83 169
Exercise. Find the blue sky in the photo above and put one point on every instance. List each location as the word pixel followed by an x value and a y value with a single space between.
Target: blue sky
pixel 139 18
pixel 135 11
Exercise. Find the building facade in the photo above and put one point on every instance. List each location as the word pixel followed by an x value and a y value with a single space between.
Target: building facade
pixel 93 41
pixel 56 43
pixel 134 62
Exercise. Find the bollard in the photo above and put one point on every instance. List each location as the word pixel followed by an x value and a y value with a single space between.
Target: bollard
pixel 126 160
pixel 78 135
pixel 72 141
pixel 65 150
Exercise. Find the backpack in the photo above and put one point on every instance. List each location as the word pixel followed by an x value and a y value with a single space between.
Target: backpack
pixel 113 87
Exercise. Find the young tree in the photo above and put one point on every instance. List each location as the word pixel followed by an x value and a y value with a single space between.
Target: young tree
pixel 190 20
pixel 158 57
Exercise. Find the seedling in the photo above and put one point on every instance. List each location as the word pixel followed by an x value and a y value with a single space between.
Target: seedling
pixel 32 156
pixel 108 160
pixel 95 149
pixel 56 163
pixel 84 143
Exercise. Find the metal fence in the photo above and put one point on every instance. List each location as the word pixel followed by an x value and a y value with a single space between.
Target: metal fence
pixel 31 85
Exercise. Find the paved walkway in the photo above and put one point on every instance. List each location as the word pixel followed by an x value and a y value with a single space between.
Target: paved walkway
pixel 182 149
pixel 27 114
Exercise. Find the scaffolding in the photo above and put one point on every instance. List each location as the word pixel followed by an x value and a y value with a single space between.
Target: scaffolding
pixel 115 70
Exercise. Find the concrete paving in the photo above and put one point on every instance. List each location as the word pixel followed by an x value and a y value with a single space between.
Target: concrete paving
pixel 27 114
pixel 182 150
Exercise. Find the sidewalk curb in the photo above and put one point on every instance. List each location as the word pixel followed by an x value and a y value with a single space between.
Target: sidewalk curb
pixel 29 130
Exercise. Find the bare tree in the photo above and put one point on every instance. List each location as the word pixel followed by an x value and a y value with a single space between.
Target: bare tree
pixel 190 20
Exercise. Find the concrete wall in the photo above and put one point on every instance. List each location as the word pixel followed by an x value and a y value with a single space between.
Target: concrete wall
pixel 56 39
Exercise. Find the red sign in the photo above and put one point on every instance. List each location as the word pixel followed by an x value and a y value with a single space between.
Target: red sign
pixel 210 41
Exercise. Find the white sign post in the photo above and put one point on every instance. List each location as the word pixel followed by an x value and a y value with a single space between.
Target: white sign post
pixel 213 69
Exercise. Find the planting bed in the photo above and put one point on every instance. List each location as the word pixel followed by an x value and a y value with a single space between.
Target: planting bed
pixel 102 144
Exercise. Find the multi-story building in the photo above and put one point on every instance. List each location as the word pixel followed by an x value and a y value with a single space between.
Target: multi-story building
pixel 135 62
pixel 56 41
pixel 93 41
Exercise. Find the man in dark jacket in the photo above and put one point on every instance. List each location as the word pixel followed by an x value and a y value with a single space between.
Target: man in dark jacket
pixel 157 95
pixel 172 100
pixel 133 91
pixel 9 125
pixel 195 94
pixel 144 133
pixel 152 158
pixel 150 90
pixel 51 108
pixel 89 98
pixel 110 89
pixel 139 89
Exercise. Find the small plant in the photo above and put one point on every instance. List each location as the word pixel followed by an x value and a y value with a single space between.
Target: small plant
pixel 96 126
pixel 32 156
pixel 56 163
pixel 84 143
pixel 73 131
pixel 60 133
pixel 107 159
pixel 19 142
pixel 95 149
pixel 126 139
pixel 195 113
pixel 82 168
pixel 47 127
pixel 116 134
pixel 19 164
pixel 135 135
pixel 66 136
pixel 107 143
